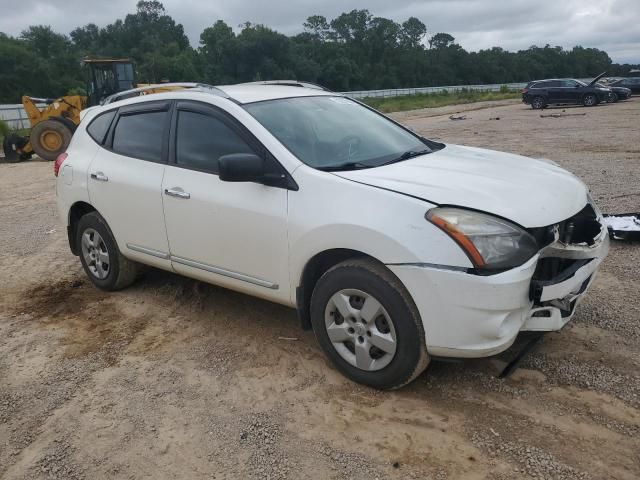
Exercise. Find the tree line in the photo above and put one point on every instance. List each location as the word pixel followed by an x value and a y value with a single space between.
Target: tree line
pixel 354 51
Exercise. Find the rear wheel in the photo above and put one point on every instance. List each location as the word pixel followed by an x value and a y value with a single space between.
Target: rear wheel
pixel 589 100
pixel 101 259
pixel 50 138
pixel 538 103
pixel 368 325
pixel 613 97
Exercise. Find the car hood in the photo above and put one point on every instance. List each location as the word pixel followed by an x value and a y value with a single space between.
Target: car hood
pixel 595 80
pixel 532 193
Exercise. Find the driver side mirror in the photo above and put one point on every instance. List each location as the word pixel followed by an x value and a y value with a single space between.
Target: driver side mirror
pixel 241 167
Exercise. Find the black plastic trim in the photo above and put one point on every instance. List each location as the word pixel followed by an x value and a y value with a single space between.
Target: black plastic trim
pixel 535 290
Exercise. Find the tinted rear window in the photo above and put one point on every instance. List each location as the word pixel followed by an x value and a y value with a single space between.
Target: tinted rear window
pixel 99 126
pixel 140 135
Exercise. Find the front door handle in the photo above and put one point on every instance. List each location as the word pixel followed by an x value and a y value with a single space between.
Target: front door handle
pixel 177 192
pixel 99 176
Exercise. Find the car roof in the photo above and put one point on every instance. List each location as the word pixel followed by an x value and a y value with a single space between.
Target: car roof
pixel 240 93
pixel 551 80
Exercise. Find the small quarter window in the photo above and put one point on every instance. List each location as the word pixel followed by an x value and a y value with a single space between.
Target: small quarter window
pixel 99 126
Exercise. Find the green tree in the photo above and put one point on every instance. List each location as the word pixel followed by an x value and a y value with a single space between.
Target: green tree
pixel 412 33
pixel 217 47
pixel 441 40
pixel 24 71
pixel 352 51
pixel 317 26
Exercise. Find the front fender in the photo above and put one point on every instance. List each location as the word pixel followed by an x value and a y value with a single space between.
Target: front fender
pixel 329 212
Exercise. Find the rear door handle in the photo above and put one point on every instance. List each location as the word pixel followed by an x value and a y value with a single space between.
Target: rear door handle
pixel 177 192
pixel 99 176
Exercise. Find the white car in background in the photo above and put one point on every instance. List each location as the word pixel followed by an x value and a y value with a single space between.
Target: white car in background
pixel 392 247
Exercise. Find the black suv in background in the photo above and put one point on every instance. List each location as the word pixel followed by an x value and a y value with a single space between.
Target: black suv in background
pixel 632 83
pixel 541 93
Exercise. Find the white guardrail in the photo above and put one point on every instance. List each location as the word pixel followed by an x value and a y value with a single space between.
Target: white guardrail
pixel 397 92
pixel 15 116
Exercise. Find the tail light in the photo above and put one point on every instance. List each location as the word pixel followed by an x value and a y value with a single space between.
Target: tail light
pixel 524 90
pixel 58 163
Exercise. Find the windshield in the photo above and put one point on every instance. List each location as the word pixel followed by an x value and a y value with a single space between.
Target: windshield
pixel 327 132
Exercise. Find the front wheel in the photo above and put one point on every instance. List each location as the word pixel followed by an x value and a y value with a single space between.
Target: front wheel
pixel 101 259
pixel 613 97
pixel 589 100
pixel 368 325
pixel 13 146
pixel 50 138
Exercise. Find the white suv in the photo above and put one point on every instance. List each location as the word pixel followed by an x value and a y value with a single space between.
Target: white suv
pixel 392 247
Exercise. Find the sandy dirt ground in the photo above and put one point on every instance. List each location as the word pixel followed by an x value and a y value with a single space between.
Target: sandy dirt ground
pixel 172 378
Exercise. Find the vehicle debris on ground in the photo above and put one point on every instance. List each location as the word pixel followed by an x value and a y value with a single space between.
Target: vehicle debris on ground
pixel 625 226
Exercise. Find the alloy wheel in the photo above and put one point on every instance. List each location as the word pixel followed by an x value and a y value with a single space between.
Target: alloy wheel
pixel 95 253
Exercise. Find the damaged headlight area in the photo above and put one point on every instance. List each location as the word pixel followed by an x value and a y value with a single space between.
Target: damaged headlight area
pixel 491 243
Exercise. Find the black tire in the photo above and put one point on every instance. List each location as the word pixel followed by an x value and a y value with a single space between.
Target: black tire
pixel 613 97
pixel 54 129
pixel 589 100
pixel 121 271
pixel 538 103
pixel 10 146
pixel 410 357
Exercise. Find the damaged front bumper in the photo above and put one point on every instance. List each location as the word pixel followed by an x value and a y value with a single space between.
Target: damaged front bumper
pixel 563 274
pixel 467 315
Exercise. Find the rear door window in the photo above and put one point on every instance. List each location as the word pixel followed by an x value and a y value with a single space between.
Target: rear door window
pixel 141 135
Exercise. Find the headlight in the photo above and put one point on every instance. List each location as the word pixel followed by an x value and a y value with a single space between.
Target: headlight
pixel 489 242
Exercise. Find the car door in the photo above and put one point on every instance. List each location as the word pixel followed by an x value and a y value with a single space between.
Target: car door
pixel 571 91
pixel 554 92
pixel 563 91
pixel 125 180
pixel 229 233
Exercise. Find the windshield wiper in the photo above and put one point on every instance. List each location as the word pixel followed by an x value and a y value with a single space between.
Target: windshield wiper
pixel 359 165
pixel 407 155
pixel 344 166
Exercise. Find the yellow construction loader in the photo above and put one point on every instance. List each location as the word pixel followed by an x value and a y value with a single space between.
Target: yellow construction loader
pixel 53 126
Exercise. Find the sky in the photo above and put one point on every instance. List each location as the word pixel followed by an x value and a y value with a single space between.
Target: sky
pixel 610 25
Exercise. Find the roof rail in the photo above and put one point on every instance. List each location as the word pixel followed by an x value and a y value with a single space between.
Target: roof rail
pixel 288 83
pixel 161 88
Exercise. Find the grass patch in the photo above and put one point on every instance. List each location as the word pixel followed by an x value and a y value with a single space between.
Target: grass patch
pixel 440 99
pixel 4 130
